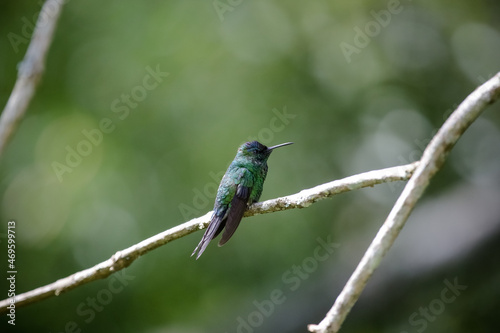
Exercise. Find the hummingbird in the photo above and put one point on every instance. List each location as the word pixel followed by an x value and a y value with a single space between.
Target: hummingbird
pixel 241 186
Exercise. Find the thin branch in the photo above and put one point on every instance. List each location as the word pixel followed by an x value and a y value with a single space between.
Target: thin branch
pixel 432 159
pixel 30 71
pixel 124 258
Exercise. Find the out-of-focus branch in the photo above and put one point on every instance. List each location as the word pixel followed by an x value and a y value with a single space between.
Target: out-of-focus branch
pixel 30 70
pixel 124 258
pixel 432 160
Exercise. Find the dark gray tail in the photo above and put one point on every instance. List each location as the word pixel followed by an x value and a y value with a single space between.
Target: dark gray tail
pixel 214 228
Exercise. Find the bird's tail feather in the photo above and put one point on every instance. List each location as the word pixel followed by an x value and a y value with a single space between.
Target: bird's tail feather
pixel 215 227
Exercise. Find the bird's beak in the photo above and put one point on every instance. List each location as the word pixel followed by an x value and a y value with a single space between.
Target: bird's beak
pixel 280 145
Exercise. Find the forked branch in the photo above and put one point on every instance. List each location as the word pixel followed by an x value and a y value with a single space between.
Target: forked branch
pixel 432 159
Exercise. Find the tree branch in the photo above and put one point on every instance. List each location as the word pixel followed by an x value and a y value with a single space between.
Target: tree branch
pixel 30 70
pixel 432 159
pixel 124 258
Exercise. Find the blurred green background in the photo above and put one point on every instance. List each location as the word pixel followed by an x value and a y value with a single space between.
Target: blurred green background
pixel 114 150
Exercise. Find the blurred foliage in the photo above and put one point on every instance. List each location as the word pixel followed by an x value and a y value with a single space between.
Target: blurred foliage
pixel 143 152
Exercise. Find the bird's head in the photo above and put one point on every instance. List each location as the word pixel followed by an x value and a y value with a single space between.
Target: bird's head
pixel 258 151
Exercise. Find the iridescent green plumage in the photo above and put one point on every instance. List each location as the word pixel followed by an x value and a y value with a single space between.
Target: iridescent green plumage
pixel 241 185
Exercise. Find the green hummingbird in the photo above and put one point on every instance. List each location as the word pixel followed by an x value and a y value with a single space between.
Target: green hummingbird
pixel 241 185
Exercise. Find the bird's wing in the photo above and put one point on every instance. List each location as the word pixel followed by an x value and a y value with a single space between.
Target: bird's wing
pixel 244 183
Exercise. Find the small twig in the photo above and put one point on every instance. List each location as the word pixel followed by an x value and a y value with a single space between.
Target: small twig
pixel 432 160
pixel 30 71
pixel 124 258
